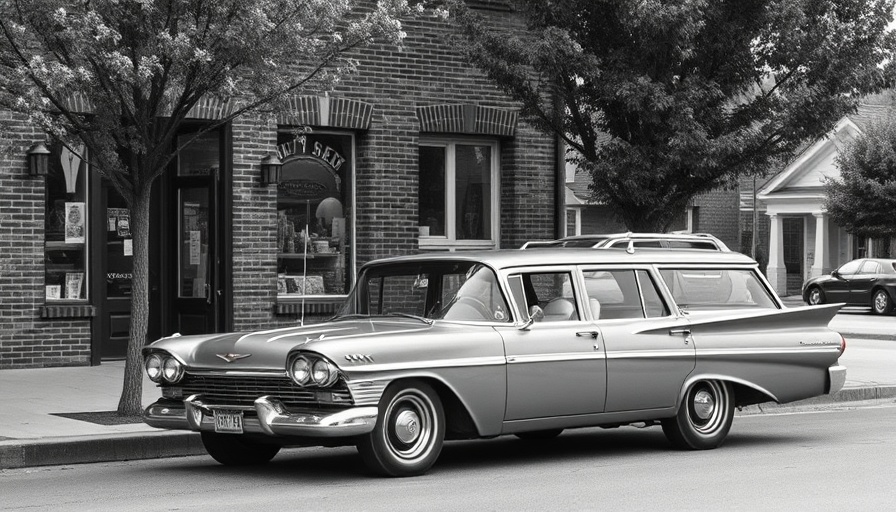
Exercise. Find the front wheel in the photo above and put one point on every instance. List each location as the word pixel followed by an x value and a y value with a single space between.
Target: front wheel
pixel 815 296
pixel 704 417
pixel 409 431
pixel 881 303
pixel 237 450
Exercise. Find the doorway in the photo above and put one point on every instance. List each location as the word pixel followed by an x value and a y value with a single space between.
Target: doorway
pixel 793 233
pixel 197 293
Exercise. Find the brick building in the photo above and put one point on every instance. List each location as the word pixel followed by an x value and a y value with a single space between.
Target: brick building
pixel 418 151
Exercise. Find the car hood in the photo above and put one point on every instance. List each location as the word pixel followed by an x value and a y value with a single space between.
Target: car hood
pixel 267 350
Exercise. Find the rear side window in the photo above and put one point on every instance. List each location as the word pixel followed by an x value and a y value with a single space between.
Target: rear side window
pixel 623 293
pixel 705 289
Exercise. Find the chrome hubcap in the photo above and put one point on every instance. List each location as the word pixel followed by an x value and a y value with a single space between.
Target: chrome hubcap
pixel 407 426
pixel 880 302
pixel 704 404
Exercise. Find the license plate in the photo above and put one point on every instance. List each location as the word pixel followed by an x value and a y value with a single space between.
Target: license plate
pixel 229 422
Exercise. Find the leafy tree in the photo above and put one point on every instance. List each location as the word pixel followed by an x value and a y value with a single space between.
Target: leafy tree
pixel 862 200
pixel 143 64
pixel 664 100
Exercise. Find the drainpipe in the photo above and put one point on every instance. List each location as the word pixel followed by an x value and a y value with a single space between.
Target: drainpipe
pixel 560 186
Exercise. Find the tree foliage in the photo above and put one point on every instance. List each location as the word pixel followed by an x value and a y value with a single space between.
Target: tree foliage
pixel 862 200
pixel 142 65
pixel 664 100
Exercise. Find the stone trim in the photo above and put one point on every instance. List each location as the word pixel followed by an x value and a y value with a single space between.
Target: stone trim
pixel 327 112
pixel 67 311
pixel 467 119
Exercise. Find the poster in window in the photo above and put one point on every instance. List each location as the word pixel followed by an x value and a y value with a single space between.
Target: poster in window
pixel 74 223
pixel 73 283
pixel 54 292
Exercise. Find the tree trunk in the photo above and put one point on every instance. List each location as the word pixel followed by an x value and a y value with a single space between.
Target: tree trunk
pixel 132 390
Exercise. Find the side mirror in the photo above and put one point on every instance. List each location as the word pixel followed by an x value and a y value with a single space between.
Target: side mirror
pixel 536 314
pixel 836 274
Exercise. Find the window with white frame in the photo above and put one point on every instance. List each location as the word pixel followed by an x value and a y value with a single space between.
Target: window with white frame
pixel 458 195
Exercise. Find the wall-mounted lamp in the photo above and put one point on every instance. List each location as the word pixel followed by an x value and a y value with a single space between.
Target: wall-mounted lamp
pixel 38 159
pixel 271 166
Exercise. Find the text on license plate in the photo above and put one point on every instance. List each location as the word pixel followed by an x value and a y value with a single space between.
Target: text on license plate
pixel 229 422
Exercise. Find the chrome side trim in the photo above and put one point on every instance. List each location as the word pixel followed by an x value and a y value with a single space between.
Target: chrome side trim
pixel 806 349
pixel 415 365
pixel 837 378
pixel 553 358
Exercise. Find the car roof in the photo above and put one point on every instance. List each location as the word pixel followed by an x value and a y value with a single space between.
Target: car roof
pixel 508 258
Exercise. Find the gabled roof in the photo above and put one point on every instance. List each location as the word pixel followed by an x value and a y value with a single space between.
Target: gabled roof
pixel 806 174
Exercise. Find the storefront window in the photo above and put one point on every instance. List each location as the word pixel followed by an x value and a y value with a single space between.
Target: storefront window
pixel 458 193
pixel 66 225
pixel 314 217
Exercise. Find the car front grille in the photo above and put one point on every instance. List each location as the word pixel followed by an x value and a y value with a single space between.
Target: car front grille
pixel 243 390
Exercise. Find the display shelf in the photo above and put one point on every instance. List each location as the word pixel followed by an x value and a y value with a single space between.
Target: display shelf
pixel 64 246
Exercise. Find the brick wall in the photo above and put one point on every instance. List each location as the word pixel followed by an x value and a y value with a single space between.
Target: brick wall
pixel 718 214
pixel 26 340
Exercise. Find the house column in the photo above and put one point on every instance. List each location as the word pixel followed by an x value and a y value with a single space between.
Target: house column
pixel 822 263
pixel 776 272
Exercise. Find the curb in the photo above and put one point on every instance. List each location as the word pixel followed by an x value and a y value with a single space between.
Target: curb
pixel 103 448
pixel 163 444
pixel 844 396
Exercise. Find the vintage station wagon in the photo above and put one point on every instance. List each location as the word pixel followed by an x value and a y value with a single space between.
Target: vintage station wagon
pixel 480 344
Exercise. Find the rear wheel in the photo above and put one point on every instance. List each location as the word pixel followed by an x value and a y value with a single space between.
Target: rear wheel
pixel 881 303
pixel 815 296
pixel 237 450
pixel 409 431
pixel 704 417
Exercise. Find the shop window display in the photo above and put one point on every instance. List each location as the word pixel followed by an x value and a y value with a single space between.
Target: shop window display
pixel 66 225
pixel 314 214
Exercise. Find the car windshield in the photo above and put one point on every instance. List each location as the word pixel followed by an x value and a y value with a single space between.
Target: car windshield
pixel 457 291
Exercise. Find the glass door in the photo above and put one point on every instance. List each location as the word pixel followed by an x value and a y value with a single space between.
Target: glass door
pixel 118 263
pixel 196 292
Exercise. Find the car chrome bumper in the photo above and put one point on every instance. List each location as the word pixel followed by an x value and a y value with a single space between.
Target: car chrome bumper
pixel 837 378
pixel 273 418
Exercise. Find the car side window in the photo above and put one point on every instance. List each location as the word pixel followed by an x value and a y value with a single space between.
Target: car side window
pixel 654 305
pixel 616 292
pixel 850 268
pixel 552 293
pixel 870 267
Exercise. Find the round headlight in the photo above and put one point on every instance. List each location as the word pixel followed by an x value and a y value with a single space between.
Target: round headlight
pixel 323 373
pixel 172 370
pixel 153 365
pixel 300 371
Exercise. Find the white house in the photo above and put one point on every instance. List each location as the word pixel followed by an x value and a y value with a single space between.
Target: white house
pixel 803 242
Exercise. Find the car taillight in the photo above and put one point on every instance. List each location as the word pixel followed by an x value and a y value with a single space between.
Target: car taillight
pixel 842 344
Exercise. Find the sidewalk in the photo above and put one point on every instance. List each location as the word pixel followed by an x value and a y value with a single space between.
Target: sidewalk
pixel 32 434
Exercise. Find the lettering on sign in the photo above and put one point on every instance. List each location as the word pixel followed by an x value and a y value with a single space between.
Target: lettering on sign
pixel 299 147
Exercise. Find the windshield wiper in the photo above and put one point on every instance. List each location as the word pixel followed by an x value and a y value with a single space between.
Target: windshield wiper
pixel 350 315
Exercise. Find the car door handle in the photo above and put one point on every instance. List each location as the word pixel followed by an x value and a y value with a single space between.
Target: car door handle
pixel 593 334
pixel 685 331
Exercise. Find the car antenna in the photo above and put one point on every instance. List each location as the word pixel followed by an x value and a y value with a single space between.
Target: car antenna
pixel 631 247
